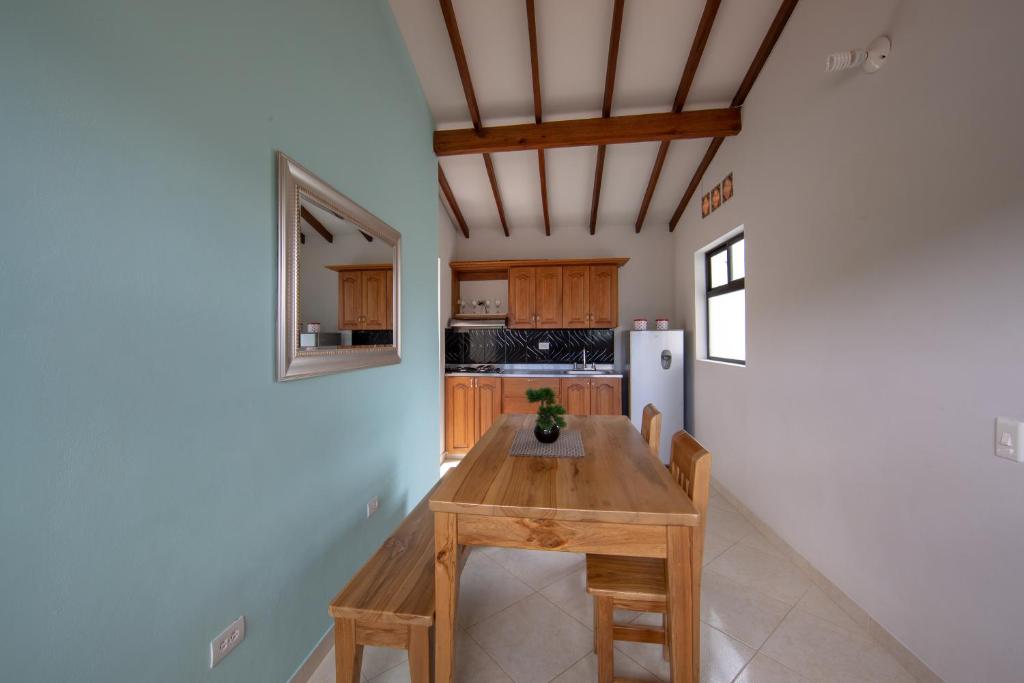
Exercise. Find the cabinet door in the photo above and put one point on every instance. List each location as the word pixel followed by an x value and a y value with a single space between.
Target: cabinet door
pixel 459 414
pixel 513 390
pixel 391 299
pixel 522 309
pixel 350 300
pixel 375 299
pixel 604 296
pixel 575 296
pixel 488 398
pixel 549 297
pixel 606 396
pixel 575 394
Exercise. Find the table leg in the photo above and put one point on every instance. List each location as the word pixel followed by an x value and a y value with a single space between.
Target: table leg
pixel 348 655
pixel 446 578
pixel 685 637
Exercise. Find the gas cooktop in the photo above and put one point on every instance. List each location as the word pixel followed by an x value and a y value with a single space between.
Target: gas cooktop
pixel 481 369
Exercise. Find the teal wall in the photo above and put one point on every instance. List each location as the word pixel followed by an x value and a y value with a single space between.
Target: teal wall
pixel 155 482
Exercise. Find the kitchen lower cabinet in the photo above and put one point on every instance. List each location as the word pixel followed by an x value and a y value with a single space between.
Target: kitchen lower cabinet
pixel 513 390
pixel 592 395
pixel 575 394
pixel 605 396
pixel 471 404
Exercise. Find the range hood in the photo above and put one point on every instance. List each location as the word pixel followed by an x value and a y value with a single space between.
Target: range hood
pixel 477 321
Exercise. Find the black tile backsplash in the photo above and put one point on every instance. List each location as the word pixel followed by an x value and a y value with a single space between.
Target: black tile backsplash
pixel 468 346
pixel 372 337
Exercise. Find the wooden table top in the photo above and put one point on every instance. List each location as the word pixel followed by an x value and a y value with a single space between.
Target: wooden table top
pixel 617 480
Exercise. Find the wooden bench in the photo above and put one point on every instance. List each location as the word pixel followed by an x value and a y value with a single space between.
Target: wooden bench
pixel 390 601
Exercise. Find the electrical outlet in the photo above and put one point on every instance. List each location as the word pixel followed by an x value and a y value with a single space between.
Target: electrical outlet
pixel 372 506
pixel 543 346
pixel 228 640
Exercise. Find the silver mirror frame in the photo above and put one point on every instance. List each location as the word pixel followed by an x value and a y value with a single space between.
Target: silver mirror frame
pixel 294 181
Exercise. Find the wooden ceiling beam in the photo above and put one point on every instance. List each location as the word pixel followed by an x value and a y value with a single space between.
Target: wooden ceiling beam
pixel 606 107
pixel 531 19
pixel 701 123
pixel 763 52
pixel 459 52
pixel 700 41
pixel 314 223
pixel 446 190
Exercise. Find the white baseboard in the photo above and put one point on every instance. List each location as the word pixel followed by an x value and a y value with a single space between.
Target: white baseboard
pixel 914 666
pixel 305 672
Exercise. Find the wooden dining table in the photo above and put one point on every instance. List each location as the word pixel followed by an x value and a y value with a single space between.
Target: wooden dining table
pixel 617 499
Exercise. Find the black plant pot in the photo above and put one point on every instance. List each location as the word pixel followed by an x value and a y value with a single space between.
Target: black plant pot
pixel 546 435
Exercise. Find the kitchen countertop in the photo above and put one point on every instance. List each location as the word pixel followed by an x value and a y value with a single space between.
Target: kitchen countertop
pixel 518 372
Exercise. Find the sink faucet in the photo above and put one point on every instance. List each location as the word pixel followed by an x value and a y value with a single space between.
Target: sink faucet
pixel 583 366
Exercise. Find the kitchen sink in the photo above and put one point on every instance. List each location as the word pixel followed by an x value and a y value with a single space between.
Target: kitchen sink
pixel 586 372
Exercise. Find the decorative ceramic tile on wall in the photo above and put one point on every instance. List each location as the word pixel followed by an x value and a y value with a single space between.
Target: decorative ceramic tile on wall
pixel 471 346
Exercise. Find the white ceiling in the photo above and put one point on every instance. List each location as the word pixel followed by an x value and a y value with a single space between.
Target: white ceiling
pixel 573 52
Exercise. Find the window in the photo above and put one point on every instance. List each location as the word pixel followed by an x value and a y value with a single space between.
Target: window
pixel 725 270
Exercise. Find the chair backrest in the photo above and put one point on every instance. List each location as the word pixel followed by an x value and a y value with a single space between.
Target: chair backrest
pixel 650 429
pixel 691 468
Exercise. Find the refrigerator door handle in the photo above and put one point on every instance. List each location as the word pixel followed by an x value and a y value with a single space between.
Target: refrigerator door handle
pixel 666 359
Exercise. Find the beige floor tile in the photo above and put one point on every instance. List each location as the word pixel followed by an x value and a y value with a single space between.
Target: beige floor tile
pixel 817 603
pixel 585 670
pixel 533 641
pixel 764 669
pixel 769 574
pixel 739 611
pixel 821 651
pixel 537 568
pixel 721 656
pixel 473 665
pixel 485 589
pixel 715 545
pixel 377 660
pixel 728 524
pixel 761 542
pixel 570 594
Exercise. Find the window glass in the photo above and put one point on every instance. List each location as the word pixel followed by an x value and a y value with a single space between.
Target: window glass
pixel 727 326
pixel 738 264
pixel 720 268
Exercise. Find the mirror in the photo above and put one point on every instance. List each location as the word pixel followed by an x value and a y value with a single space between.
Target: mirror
pixel 338 275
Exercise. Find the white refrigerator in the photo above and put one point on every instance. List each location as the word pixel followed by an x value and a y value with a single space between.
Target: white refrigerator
pixel 656 376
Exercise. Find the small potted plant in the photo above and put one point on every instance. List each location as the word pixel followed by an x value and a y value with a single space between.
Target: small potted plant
pixel 549 414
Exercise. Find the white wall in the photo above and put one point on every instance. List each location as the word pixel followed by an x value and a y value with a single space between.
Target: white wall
pixel 645 283
pixel 885 268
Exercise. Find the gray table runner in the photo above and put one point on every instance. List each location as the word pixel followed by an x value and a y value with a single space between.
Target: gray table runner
pixel 569 445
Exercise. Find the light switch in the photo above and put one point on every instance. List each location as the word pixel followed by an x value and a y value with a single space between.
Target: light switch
pixel 1009 434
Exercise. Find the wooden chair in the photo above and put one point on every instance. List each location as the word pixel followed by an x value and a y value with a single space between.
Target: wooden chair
pixel 390 601
pixel 637 583
pixel 650 429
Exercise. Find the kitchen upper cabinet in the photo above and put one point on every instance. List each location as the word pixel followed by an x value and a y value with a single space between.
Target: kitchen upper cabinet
pixel 376 308
pixel 522 297
pixel 605 396
pixel 365 299
pixel 460 414
pixel 548 297
pixel 575 395
pixel 350 300
pixel 576 296
pixel 604 296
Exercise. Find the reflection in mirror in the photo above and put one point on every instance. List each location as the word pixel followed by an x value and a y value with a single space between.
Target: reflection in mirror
pixel 346 291
pixel 339 268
